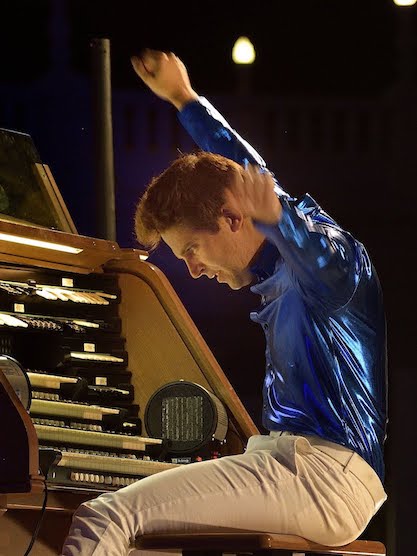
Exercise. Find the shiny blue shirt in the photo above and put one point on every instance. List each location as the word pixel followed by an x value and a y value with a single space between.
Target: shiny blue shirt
pixel 321 311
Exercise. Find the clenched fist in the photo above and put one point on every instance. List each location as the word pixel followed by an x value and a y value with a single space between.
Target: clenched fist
pixel 166 75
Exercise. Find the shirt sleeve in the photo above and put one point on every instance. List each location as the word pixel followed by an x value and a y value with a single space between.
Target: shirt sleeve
pixel 213 133
pixel 324 261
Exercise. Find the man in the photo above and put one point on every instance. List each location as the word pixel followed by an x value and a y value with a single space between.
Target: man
pixel 319 472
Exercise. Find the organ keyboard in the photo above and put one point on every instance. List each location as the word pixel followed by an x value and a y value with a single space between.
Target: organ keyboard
pixel 99 330
pixel 53 387
pixel 69 436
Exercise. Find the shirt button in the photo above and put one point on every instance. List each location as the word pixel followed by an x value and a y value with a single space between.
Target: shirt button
pixel 266 326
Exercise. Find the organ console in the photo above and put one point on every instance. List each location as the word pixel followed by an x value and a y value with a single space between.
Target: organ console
pixel 99 331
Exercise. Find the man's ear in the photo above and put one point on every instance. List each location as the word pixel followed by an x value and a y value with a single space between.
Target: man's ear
pixel 233 217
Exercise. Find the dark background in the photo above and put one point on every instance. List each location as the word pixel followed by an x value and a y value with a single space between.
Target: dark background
pixel 303 46
pixel 327 49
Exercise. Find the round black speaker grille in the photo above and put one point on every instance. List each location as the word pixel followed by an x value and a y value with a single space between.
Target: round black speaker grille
pixel 187 415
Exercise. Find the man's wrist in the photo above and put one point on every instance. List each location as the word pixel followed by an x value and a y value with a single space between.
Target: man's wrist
pixel 183 98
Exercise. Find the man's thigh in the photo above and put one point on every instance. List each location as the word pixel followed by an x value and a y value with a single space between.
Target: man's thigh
pixel 246 491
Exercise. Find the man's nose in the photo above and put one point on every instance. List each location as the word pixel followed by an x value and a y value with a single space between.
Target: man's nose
pixel 195 268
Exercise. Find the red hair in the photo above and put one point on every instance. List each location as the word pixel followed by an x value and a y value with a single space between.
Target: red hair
pixel 190 192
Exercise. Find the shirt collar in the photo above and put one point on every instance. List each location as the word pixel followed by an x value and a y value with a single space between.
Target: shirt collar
pixel 264 264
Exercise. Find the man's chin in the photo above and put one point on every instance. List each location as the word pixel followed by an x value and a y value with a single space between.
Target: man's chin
pixel 235 287
pixel 237 284
pixel 230 283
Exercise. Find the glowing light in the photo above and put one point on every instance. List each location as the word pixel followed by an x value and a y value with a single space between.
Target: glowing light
pixel 405 2
pixel 39 243
pixel 243 51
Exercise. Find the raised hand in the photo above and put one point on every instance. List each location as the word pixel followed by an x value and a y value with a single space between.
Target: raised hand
pixel 166 75
pixel 253 192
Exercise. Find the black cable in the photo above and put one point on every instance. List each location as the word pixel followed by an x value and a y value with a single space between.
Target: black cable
pixel 38 525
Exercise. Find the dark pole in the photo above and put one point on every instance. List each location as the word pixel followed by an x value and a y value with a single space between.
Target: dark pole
pixel 103 139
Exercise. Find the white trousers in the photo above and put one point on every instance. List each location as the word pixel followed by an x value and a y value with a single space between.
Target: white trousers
pixel 290 488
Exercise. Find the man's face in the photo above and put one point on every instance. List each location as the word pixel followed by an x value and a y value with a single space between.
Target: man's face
pixel 222 255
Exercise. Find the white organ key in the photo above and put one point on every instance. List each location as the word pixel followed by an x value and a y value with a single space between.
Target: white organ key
pixel 95 298
pixel 96 356
pixel 113 464
pixel 49 381
pixel 90 438
pixel 46 294
pixel 68 409
pixel 86 323
pixel 10 320
pixel 59 294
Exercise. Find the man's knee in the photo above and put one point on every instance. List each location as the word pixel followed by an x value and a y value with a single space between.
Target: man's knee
pixel 105 505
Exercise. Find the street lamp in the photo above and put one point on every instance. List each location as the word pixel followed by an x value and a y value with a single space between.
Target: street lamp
pixel 243 51
pixel 243 55
pixel 405 2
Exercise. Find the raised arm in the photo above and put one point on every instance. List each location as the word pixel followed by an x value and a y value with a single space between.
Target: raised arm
pixel 325 261
pixel 166 75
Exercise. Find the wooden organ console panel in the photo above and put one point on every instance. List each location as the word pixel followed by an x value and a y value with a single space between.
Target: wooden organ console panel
pixel 98 330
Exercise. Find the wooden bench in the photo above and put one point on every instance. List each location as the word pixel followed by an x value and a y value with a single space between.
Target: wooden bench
pixel 259 544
